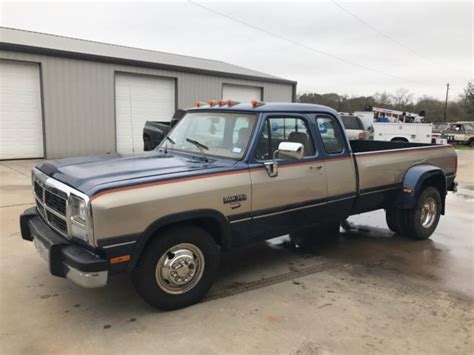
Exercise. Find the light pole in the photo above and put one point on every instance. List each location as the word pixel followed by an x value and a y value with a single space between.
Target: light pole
pixel 446 104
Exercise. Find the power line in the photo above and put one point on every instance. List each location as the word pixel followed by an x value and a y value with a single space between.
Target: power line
pixel 299 44
pixel 376 30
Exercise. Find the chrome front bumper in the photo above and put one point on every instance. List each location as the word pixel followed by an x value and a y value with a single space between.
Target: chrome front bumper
pixel 65 258
pixel 87 279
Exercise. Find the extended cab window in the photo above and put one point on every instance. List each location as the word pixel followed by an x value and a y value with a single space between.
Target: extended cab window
pixel 328 129
pixel 352 122
pixel 283 129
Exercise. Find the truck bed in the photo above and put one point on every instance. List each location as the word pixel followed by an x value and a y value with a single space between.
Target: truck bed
pixel 364 146
pixel 381 168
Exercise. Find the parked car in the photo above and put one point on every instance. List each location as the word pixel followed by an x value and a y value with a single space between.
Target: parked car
pixel 225 181
pixel 155 131
pixel 461 132
pixel 356 129
pixel 437 132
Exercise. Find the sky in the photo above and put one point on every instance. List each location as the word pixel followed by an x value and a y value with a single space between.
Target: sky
pixel 347 47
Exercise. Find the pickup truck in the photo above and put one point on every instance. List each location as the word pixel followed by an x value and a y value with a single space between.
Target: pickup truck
pixel 155 131
pixel 225 176
pixel 460 133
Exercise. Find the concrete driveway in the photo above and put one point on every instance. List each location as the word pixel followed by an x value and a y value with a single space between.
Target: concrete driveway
pixel 369 292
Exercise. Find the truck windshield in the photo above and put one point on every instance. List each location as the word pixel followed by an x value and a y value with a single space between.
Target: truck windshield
pixel 226 134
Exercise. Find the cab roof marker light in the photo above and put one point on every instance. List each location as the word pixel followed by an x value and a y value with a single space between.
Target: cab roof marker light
pixel 199 104
pixel 256 103
pixel 221 103
pixel 211 103
pixel 231 103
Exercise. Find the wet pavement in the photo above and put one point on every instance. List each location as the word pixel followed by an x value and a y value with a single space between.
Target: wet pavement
pixel 369 291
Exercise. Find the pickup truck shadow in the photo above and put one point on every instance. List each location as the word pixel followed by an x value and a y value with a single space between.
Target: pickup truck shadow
pixel 366 249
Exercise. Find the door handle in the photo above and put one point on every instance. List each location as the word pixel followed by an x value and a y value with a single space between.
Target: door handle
pixel 315 167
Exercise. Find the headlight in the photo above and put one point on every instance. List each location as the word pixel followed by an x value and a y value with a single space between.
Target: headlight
pixel 78 213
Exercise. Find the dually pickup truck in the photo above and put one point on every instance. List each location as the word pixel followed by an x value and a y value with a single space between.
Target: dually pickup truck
pixel 225 176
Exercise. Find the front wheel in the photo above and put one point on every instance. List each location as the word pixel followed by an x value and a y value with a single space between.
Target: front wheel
pixel 421 221
pixel 177 267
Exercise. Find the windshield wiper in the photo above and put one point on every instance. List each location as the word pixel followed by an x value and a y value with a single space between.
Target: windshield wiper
pixel 166 145
pixel 200 146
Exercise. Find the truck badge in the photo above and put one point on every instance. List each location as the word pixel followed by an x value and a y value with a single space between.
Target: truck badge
pixel 235 198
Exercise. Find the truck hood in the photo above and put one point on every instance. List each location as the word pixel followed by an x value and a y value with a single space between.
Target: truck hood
pixel 90 174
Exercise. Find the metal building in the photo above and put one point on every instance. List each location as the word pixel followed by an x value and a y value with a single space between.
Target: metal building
pixel 62 97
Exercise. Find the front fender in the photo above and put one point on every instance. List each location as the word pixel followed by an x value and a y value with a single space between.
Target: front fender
pixel 414 182
pixel 181 217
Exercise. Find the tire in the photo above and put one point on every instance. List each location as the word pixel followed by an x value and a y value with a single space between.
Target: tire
pixel 322 232
pixel 416 223
pixel 392 218
pixel 400 140
pixel 185 250
pixel 470 143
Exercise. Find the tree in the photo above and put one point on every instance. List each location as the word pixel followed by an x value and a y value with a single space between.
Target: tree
pixel 402 99
pixel 434 109
pixel 383 99
pixel 468 99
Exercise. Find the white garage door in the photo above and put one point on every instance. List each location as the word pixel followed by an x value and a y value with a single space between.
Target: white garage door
pixel 139 99
pixel 21 126
pixel 241 93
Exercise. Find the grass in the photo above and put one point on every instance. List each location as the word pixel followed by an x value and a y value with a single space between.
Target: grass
pixel 463 147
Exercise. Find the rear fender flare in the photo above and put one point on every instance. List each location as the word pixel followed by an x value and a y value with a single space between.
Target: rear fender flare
pixel 182 217
pixel 415 179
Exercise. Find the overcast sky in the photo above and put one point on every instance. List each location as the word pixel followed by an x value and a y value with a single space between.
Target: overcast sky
pixel 417 45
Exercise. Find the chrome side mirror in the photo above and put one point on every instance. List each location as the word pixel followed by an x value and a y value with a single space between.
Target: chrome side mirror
pixel 286 150
pixel 291 150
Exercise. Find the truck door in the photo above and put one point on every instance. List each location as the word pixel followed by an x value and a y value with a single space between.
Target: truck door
pixel 298 193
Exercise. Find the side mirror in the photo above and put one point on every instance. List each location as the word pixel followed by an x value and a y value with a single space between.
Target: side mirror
pixel 290 150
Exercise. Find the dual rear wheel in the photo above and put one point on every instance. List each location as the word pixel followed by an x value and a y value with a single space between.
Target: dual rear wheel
pixel 420 221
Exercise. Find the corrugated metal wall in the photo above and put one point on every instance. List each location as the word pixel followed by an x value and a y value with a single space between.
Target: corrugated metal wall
pixel 78 99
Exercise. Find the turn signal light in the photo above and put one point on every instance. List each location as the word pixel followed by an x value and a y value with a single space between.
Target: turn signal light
pixel 120 259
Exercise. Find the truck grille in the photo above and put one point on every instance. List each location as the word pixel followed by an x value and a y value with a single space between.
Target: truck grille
pixel 51 204
pixel 55 202
pixel 57 222
pixel 38 190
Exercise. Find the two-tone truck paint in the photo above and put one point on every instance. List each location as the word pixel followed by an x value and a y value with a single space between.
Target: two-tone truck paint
pixel 225 177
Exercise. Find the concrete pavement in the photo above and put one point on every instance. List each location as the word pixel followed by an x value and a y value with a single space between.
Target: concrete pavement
pixel 369 292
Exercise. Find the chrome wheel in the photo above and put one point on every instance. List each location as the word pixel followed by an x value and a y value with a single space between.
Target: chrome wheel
pixel 180 268
pixel 428 212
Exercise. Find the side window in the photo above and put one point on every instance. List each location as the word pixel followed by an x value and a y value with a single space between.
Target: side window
pixel 283 129
pixel 328 129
